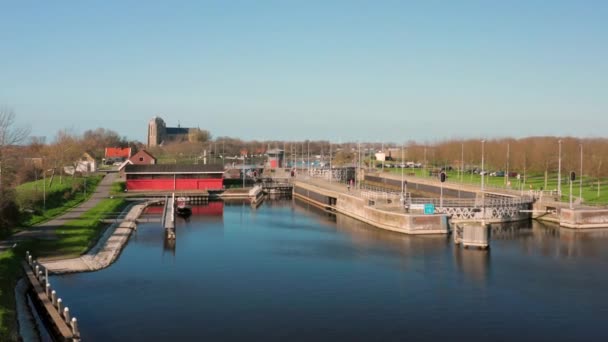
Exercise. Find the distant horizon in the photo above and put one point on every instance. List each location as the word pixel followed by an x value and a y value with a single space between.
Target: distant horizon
pixel 339 71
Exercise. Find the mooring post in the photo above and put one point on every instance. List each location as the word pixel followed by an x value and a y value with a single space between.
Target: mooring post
pixel 74 324
pixel 48 290
pixel 29 260
pixel 66 314
pixel 37 271
pixel 59 305
pixel 54 298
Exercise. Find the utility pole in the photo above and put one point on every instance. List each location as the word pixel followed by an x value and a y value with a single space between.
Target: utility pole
pixel 383 159
pixel 482 165
pixel 424 161
pixel 507 173
pixel 580 179
pixel 330 171
pixel 357 175
pixel 402 179
pixel 559 170
pixel 461 162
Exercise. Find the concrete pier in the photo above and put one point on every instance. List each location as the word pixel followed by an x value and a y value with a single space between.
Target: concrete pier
pixel 339 198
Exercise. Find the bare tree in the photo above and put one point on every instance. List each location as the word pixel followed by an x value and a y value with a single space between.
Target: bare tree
pixel 10 138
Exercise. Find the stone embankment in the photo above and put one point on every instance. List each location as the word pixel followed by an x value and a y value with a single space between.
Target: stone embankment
pixel 105 251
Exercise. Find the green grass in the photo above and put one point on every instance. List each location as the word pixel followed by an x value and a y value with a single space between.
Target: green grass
pixel 73 239
pixel 118 188
pixel 78 235
pixel 9 274
pixel 59 198
pixel 537 181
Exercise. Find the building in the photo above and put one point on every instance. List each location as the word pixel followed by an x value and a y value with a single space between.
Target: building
pixel 86 164
pixel 143 157
pixel 159 133
pixel 117 154
pixel 174 177
pixel 275 158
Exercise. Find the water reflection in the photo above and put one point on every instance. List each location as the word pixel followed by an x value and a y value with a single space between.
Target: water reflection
pixel 473 263
pixel 290 271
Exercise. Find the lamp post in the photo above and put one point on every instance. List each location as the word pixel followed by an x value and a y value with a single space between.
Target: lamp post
pixel 461 162
pixel 507 173
pixel 402 167
pixel 482 165
pixel 330 172
pixel 559 170
pixel 580 179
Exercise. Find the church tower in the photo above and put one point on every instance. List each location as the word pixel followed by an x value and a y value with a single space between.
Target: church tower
pixel 156 131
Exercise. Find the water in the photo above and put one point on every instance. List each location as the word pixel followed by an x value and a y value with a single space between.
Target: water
pixel 288 271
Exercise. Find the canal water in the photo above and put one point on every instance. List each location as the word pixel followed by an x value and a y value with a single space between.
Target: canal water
pixel 287 271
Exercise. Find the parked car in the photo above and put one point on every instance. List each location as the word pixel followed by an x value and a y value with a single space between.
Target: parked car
pixel 483 173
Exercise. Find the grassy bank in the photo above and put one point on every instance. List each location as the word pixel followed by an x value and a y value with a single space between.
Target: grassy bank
pixel 533 182
pixel 39 202
pixel 9 273
pixel 73 239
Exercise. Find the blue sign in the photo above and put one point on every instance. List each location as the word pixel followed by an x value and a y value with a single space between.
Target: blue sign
pixel 429 209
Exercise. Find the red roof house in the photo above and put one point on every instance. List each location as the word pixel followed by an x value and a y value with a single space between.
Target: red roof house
pixel 143 157
pixel 118 153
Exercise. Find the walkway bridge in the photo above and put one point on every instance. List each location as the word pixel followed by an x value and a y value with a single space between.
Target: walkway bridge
pixel 461 204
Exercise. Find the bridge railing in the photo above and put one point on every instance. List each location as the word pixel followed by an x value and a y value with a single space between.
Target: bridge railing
pixel 470 202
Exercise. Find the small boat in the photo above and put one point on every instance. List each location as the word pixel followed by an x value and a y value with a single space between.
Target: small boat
pixel 183 211
pixel 181 208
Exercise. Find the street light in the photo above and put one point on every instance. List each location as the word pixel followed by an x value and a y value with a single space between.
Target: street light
pixel 580 180
pixel 559 170
pixel 402 167
pixel 482 164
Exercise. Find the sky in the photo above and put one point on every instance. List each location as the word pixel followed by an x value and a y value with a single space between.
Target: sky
pixel 294 70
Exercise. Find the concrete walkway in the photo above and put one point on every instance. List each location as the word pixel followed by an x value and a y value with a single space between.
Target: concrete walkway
pixel 47 230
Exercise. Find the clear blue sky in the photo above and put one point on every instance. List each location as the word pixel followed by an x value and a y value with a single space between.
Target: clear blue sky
pixel 339 70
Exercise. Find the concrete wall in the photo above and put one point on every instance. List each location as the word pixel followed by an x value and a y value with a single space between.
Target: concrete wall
pixel 357 208
pixel 581 218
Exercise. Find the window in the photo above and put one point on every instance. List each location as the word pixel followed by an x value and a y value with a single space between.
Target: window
pixel 141 159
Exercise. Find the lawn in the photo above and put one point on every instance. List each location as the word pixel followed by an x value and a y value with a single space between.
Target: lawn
pixel 9 271
pixel 40 203
pixel 533 181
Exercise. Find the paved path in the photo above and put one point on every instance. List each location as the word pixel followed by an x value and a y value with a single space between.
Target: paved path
pixel 47 230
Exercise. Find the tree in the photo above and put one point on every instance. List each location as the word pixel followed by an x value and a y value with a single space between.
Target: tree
pixel 10 138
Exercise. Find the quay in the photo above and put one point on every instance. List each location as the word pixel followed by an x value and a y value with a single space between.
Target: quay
pixel 508 204
pixel 336 197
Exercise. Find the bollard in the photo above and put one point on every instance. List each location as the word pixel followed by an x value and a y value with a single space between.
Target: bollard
pixel 29 260
pixel 59 305
pixel 66 314
pixel 27 255
pixel 74 324
pixel 37 270
pixel 46 274
pixel 41 277
pixel 48 290
pixel 54 298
